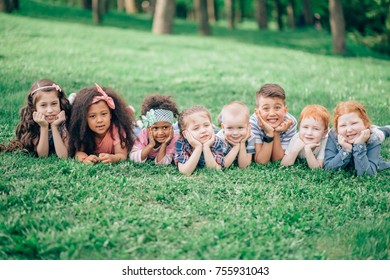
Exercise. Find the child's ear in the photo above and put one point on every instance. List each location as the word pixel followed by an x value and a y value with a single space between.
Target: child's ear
pixel 222 126
pixel 326 131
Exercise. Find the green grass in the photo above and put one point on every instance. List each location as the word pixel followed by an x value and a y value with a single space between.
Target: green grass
pixel 61 209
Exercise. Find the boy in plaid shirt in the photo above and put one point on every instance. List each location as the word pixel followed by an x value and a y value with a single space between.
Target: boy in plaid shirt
pixel 198 145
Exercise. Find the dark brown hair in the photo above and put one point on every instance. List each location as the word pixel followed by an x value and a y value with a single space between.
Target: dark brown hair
pixel 158 101
pixel 82 137
pixel 28 131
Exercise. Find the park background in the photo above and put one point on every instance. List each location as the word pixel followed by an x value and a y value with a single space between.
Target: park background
pixel 61 209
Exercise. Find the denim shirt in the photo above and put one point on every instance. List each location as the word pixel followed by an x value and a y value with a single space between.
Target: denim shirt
pixel 364 158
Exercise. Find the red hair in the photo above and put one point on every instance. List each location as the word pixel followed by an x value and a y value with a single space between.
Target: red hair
pixel 351 106
pixel 316 112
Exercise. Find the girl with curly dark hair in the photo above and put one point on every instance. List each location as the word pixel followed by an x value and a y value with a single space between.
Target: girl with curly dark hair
pixel 42 129
pixel 101 126
pixel 157 139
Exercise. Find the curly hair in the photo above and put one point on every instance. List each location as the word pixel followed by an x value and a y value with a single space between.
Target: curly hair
pixel 82 137
pixel 28 131
pixel 158 101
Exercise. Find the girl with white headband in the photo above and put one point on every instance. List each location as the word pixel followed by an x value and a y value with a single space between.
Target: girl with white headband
pixel 42 129
pixel 157 139
pixel 101 127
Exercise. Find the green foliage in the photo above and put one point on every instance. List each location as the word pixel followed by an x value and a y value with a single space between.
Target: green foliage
pixel 61 209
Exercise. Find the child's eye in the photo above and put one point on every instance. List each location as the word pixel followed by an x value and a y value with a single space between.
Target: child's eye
pixel 92 116
pixel 154 128
pixel 165 127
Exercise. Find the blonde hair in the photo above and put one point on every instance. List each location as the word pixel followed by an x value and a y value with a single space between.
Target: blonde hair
pixel 235 108
pixel 351 106
pixel 316 112
pixel 189 111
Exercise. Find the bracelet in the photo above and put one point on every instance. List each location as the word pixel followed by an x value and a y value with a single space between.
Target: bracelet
pixel 267 139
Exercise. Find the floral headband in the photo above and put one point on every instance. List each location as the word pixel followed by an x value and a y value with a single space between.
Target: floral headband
pixel 53 86
pixel 110 102
pixel 158 115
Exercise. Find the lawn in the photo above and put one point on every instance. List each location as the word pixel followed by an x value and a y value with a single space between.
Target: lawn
pixel 61 209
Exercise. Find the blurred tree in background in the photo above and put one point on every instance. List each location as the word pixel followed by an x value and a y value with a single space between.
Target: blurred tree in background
pixel 365 21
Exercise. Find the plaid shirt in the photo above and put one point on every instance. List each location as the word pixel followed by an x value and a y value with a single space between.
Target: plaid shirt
pixel 184 151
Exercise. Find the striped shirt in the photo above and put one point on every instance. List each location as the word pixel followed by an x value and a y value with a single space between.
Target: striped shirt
pixel 285 136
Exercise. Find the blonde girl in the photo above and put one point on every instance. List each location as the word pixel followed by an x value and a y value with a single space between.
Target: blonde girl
pixel 351 142
pixel 101 127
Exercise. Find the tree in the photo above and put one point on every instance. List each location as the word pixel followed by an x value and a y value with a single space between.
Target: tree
pixel 261 14
pixel 229 6
pixel 307 12
pixel 163 16
pixel 202 17
pixel 279 13
pixel 211 11
pixel 131 6
pixel 337 26
pixel 86 4
pixel 291 13
pixel 9 5
pixel 96 11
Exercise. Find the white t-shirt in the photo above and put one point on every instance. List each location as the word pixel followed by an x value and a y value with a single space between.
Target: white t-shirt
pixel 319 152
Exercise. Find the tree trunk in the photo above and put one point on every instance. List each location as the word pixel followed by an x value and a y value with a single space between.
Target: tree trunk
pixel 229 6
pixel 202 17
pixel 86 4
pixel 131 6
pixel 240 11
pixel 261 14
pixel 291 13
pixel 307 13
pixel 211 11
pixel 163 16
pixel 120 5
pixel 279 13
pixel 337 26
pixel 96 11
pixel 5 6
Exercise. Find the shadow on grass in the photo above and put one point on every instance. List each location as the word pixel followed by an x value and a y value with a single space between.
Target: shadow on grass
pixel 307 40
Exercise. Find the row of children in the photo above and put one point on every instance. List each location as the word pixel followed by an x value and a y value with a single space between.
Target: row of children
pixel 100 127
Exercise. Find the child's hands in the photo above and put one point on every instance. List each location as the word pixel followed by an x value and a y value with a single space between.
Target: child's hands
pixel 298 145
pixel 39 118
pixel 152 142
pixel 193 142
pixel 105 158
pixel 91 159
pixel 210 141
pixel 284 125
pixel 269 131
pixel 169 137
pixel 343 143
pixel 60 118
pixel 363 137
pixel 311 146
pixel 248 134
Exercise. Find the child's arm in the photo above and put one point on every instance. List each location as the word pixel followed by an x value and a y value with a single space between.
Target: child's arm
pixel 365 160
pixel 335 159
pixel 189 166
pixel 162 156
pixel 61 146
pixel 291 155
pixel 42 148
pixel 120 154
pixel 244 159
pixel 84 157
pixel 208 155
pixel 312 161
pixel 264 150
pixel 231 156
pixel 277 150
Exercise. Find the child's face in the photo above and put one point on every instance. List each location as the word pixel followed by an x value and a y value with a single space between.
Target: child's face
pixel 235 127
pixel 99 118
pixel 311 131
pixel 49 105
pixel 272 110
pixel 199 125
pixel 161 131
pixel 349 126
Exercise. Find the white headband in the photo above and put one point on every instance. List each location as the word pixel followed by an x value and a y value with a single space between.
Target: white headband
pixel 158 115
pixel 57 87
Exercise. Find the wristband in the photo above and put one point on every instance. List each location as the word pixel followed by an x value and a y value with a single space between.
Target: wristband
pixel 267 139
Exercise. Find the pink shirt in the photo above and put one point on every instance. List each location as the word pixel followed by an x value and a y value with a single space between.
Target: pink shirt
pixel 107 145
pixel 143 140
